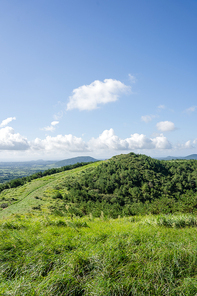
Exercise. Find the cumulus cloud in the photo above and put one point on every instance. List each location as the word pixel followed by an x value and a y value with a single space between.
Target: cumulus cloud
pixel 108 140
pixel 195 141
pixel 147 118
pixel 6 121
pixel 161 142
pixel 53 123
pixel 89 97
pixel 165 126
pixel 50 128
pixel 9 140
pixel 65 143
pixel 189 144
pixel 191 109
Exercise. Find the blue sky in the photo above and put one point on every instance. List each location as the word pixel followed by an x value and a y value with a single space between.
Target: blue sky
pixel 98 78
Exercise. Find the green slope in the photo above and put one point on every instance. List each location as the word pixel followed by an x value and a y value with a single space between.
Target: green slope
pixel 38 194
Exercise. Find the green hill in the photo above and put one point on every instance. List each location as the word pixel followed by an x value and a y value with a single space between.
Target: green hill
pixel 124 185
pixel 135 184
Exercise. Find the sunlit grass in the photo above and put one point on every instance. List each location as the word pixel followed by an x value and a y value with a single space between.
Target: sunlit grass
pixel 49 255
pixel 23 199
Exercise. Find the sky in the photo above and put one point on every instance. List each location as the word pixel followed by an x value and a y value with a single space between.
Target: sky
pixel 97 78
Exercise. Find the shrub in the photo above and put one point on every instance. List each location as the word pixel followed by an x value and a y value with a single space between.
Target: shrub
pixel 58 195
pixel 4 205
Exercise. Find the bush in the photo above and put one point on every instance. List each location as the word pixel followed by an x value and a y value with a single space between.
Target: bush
pixel 58 195
pixel 4 205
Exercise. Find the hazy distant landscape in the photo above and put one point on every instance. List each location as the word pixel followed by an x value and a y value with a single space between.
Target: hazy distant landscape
pixel 192 156
pixel 13 170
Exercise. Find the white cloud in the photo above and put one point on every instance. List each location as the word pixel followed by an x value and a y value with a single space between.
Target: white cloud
pixel 195 141
pixel 50 128
pixel 161 142
pixel 165 126
pixel 191 109
pixel 147 118
pixel 132 78
pixel 53 123
pixel 108 140
pixel 188 144
pixel 65 143
pixel 6 121
pixel 9 140
pixel 88 97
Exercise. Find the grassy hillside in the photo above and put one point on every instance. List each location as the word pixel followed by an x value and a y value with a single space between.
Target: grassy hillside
pixel 38 195
pixel 48 255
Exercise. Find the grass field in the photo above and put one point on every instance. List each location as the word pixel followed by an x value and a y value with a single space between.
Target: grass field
pixel 49 255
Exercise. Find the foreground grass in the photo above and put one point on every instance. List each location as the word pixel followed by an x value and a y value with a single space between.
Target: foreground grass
pixel 49 255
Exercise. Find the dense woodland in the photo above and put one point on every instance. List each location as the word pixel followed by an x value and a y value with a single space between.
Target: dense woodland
pixel 134 184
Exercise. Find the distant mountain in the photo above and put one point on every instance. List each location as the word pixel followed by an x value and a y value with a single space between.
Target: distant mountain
pixel 74 160
pixel 192 156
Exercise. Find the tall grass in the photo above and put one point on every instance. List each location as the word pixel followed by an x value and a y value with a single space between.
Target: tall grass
pixel 50 255
pixel 174 221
